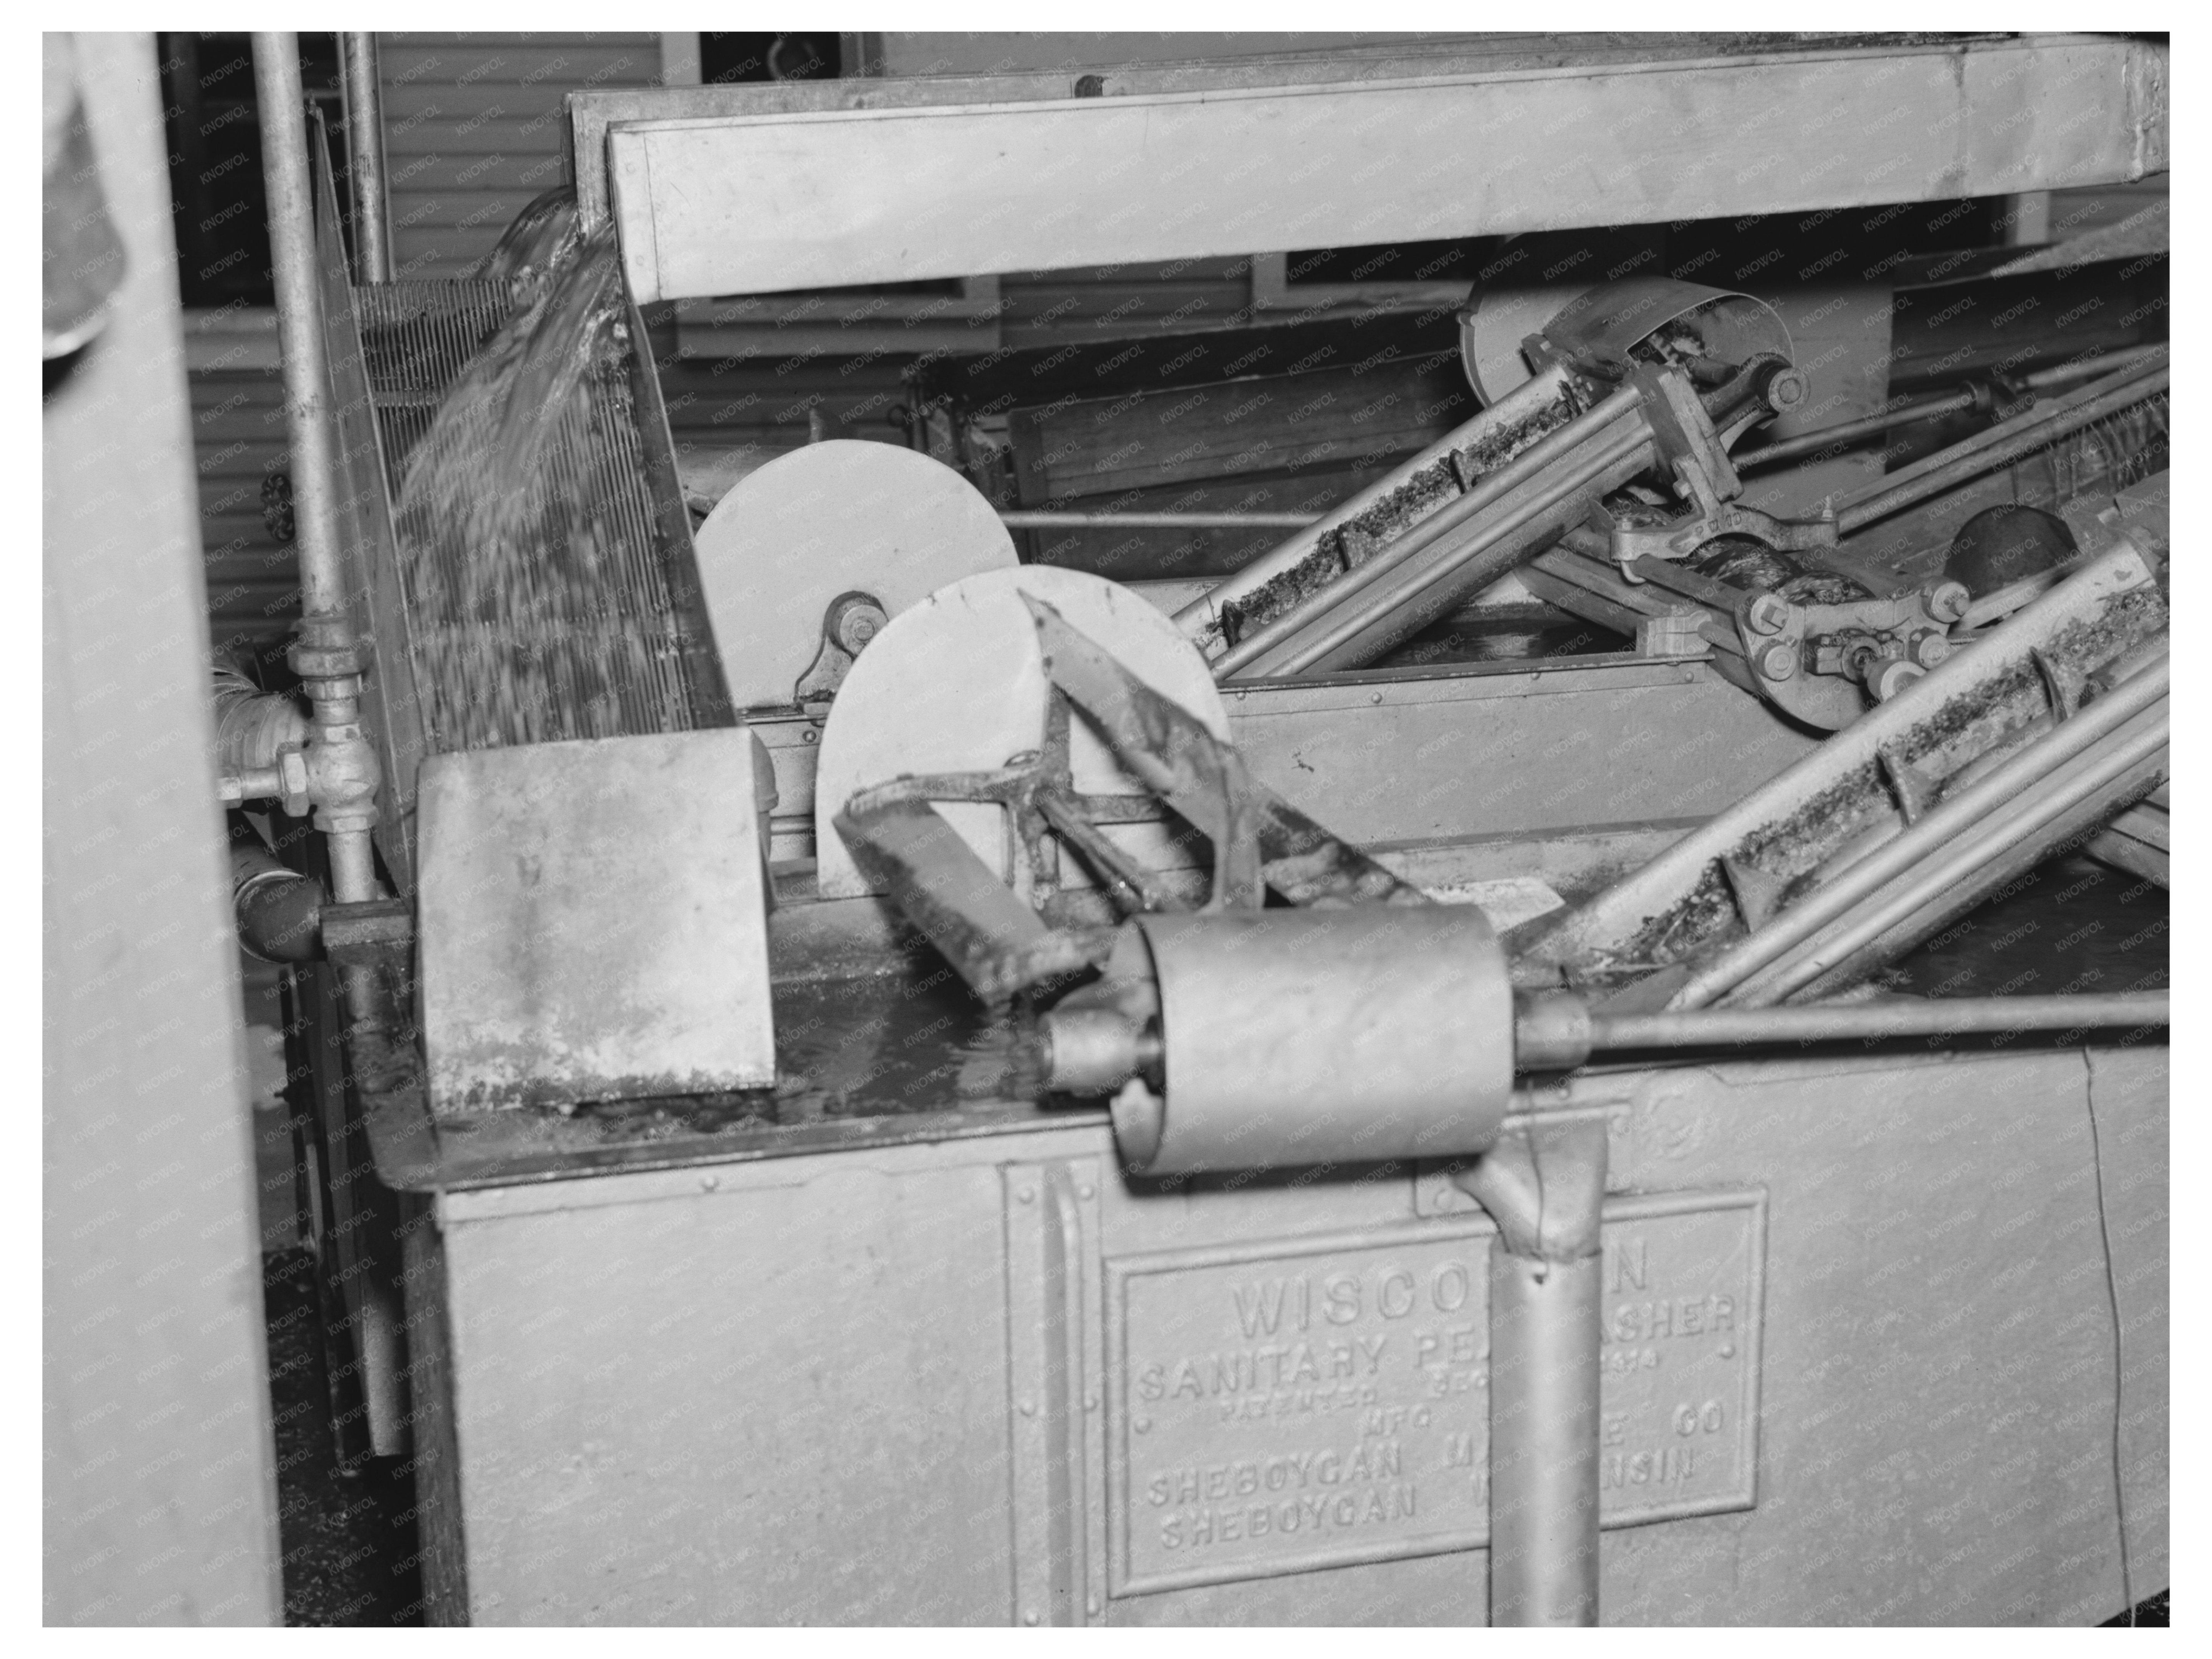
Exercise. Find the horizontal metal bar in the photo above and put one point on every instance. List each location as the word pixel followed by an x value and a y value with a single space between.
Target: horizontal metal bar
pixel 2000 446
pixel 1943 1016
pixel 2090 368
pixel 1851 431
pixel 1026 520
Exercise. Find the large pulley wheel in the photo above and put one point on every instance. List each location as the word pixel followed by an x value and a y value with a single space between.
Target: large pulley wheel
pixel 833 520
pixel 957 683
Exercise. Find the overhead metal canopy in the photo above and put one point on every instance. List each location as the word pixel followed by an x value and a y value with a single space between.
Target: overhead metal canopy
pixel 763 203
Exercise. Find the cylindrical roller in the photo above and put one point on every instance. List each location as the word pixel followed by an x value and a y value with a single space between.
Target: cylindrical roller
pixel 1295 1037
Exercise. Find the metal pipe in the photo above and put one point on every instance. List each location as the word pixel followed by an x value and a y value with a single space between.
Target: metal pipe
pixel 1958 402
pixel 1847 761
pixel 298 321
pixel 1544 1185
pixel 2037 761
pixel 2090 367
pixel 342 763
pixel 2101 774
pixel 2003 443
pixel 1200 619
pixel 365 169
pixel 1847 431
pixel 1487 490
pixel 2073 830
pixel 1568 480
pixel 1942 1016
pixel 1026 520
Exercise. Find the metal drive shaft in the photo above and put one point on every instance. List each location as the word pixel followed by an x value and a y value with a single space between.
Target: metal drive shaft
pixel 1556 1031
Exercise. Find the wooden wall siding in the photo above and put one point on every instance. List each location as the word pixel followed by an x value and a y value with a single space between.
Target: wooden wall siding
pixel 238 440
pixel 1283 423
pixel 1178 296
pixel 475 124
pixel 762 408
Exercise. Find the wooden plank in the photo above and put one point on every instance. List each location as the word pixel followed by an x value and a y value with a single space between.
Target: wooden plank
pixel 536 135
pixel 758 204
pixel 527 60
pixel 476 125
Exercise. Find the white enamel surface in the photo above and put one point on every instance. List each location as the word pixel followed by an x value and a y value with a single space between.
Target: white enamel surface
pixel 957 683
pixel 830 519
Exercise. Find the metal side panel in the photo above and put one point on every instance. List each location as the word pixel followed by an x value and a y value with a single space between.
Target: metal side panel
pixel 593 922
pixel 774 1397
pixel 1409 757
pixel 1496 752
pixel 795 1389
pixel 750 204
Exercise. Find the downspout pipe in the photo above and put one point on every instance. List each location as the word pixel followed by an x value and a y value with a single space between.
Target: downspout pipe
pixel 327 654
pixel 365 169
pixel 1543 1184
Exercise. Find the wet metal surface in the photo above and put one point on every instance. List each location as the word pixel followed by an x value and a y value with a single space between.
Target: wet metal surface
pixel 912 1055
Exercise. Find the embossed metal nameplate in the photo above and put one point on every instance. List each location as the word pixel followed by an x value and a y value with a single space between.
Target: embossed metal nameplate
pixel 1317 1402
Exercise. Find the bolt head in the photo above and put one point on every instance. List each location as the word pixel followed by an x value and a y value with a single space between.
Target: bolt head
pixel 1930 648
pixel 1787 390
pixel 1777 661
pixel 1947 601
pixel 858 621
pixel 292 782
pixel 1767 613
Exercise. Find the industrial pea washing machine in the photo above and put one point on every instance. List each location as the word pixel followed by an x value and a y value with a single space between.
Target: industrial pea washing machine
pixel 996 1096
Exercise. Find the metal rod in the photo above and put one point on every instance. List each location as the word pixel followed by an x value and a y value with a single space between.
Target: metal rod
pixel 1486 490
pixel 2076 827
pixel 1200 619
pixel 1847 431
pixel 1565 482
pixel 365 170
pixel 2037 761
pixel 1939 1017
pixel 2001 444
pixel 1026 520
pixel 2104 770
pixel 345 789
pixel 1989 668
pixel 2090 367
pixel 298 321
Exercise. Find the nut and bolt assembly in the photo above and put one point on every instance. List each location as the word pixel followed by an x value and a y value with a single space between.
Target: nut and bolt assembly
pixel 1767 613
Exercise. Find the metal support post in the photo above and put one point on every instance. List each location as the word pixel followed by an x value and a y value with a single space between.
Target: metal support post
pixel 364 113
pixel 342 763
pixel 1544 1185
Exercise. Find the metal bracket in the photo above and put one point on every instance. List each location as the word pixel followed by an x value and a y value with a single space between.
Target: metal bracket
pixel 1676 539
pixel 1057 1387
pixel 368 934
pixel 848 622
pixel 991 936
